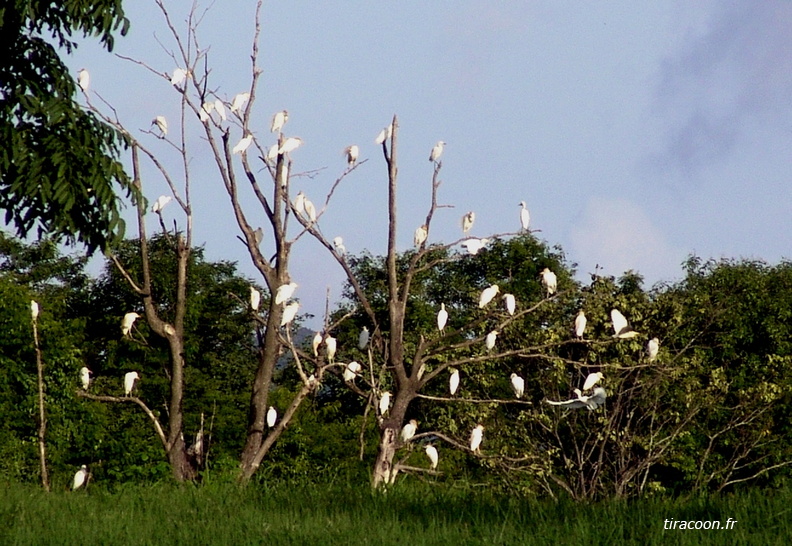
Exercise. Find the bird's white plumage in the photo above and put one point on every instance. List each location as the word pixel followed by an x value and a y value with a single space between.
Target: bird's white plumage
pixel 279 119
pixel 289 312
pixel 299 203
pixel 129 382
pixel 127 322
pixel 442 317
pixel 239 101
pixel 431 453
pixel 510 303
pixel 34 309
pixel 384 402
pixel 310 210
pixel 243 144
pixel 518 385
pixel 473 245
pixel 352 153
pixel 453 381
pixel 384 135
pixel 290 144
pixel 255 299
pixel 161 123
pixel 79 477
pixel 338 243
pixel 84 79
pixel 591 380
pixel 220 109
pixel 621 328
pixel 316 342
pixel 363 338
pixel 408 431
pixel 420 235
pixel 330 348
pixel 652 348
pixel 467 221
pixel 351 370
pixel 284 292
pixel 161 202
pixel 179 76
pixel 550 281
pixel 272 417
pixel 525 216
pixel 437 151
pixel 272 153
pixel 476 436
pixel 580 324
pixel 489 341
pixel 85 378
pixel 487 295
pixel 592 402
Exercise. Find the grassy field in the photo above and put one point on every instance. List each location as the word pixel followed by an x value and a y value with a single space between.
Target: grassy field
pixel 412 514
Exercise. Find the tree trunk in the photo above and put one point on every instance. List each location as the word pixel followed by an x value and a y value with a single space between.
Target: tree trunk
pixel 181 465
pixel 383 467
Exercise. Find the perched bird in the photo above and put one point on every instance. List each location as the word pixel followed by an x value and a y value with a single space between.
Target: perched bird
pixel 510 303
pixel 330 348
pixel 310 210
pixel 338 243
pixel 289 312
pixel 490 340
pixel 161 123
pixel 299 203
pixel 525 216
pixel 549 281
pixel 284 292
pixel 317 341
pixel 127 322
pixel 518 385
pixel 363 338
pixel 384 402
pixel 160 203
pixel 34 309
pixel 453 381
pixel 437 151
pixel 79 478
pixel 473 245
pixel 205 111
pixel 652 348
pixel 278 121
pixel 580 324
pixel 384 135
pixel 85 378
pixel 467 221
pixel 272 417
pixel 487 295
pixel 420 235
pixel 130 378
pixel 255 299
pixel 272 153
pixel 442 317
pixel 592 402
pixel 83 80
pixel 591 380
pixel 239 101
pixel 290 144
pixel 220 109
pixel 258 235
pixel 475 438
pixel 621 328
pixel 179 76
pixel 243 144
pixel 352 153
pixel 431 452
pixel 408 431
pixel 351 371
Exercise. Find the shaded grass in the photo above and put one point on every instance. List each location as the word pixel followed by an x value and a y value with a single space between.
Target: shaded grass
pixel 222 513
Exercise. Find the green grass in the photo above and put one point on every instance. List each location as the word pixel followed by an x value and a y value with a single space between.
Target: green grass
pixel 410 514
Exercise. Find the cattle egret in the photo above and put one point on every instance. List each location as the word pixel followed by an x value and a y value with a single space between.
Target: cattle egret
pixel 467 221
pixel 272 153
pixel 278 121
pixel 580 324
pixel 437 151
pixel 317 340
pixel 127 322
pixel 255 299
pixel 652 349
pixel 431 452
pixel 621 328
pixel 363 338
pixel 473 245
pixel 475 438
pixel 258 235
pixel 420 235
pixel 352 153
pixel 34 309
pixel 178 77
pixel 310 210
pixel 592 402
pixel 83 80
pixel 79 478
pixel 243 144
pixel 384 403
pixel 299 203
pixel 272 417
pixel 330 348
pixel 510 303
pixel 525 216
pixel 289 312
pixel 289 145
pixel 442 317
pixel 129 382
pixel 591 380
pixel 161 123
pixel 453 381
pixel 351 370
pixel 384 135
pixel 408 431
pixel 85 377
pixel 160 203
pixel 490 340
pixel 220 108
pixel 487 295
pixel 284 292
pixel 239 101
pixel 206 109
pixel 518 385
pixel 549 281
pixel 338 243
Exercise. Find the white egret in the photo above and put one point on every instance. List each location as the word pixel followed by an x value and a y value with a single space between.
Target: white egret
pixel 487 295
pixel 351 371
pixel 420 235
pixel 453 381
pixel 384 402
pixel 220 108
pixel 130 378
pixel 299 203
pixel 580 324
pixel 272 417
pixel 384 135
pixel 490 339
pixel 272 153
pixel 162 124
pixel 85 378
pixel 525 216
pixel 284 292
pixel 510 302
pixel 243 144
pixel 127 322
pixel 518 385
pixel 290 144
pixel 330 348
pixel 408 431
pixel 317 341
pixel 592 402
pixel 255 299
pixel 205 111
pixel 467 221
pixel 258 235
pixel 289 312
pixel 79 478
pixel 431 452
pixel 338 243
pixel 178 76
pixel 239 101
pixel 34 309
pixel 549 281
pixel 652 348
pixel 442 317
pixel 473 245
pixel 591 380
pixel 363 338
pixel 310 209
pixel 352 153
pixel 83 79
pixel 437 151
pixel 475 438
pixel 278 121
pixel 621 328
pixel 160 203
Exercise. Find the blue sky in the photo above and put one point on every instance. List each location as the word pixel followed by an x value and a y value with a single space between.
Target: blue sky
pixel 637 133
